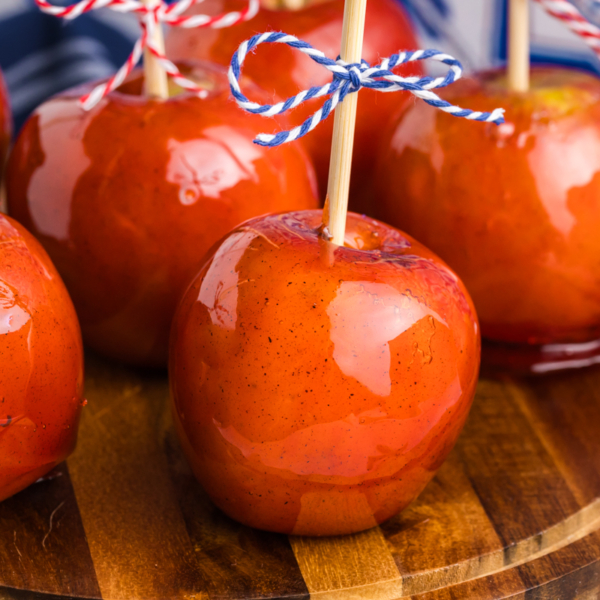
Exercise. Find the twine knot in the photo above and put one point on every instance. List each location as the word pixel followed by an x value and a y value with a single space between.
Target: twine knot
pixel 355 72
pixel 347 79
pixel 150 17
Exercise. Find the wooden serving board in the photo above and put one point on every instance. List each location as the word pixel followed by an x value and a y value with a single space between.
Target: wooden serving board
pixel 514 513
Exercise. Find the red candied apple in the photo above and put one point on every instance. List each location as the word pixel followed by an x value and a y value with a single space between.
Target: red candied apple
pixel 128 197
pixel 515 210
pixel 286 71
pixel 41 362
pixel 318 388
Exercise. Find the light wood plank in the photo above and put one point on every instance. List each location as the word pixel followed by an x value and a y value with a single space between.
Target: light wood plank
pixel 358 566
pixel 135 530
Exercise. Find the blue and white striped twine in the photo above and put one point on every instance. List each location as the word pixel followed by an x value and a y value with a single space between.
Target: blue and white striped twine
pixel 348 79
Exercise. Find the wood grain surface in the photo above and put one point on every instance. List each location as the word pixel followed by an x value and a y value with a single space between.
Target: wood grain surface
pixel 513 513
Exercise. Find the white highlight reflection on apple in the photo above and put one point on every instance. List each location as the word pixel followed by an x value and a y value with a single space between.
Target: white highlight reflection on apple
pixel 363 322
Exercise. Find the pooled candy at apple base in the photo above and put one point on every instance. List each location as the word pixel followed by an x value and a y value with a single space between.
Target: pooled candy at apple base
pixel 126 199
pixel 514 210
pixel 388 30
pixel 318 388
pixel 41 363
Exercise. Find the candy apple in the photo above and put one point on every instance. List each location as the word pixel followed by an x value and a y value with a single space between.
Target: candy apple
pixel 41 362
pixel 318 388
pixel 285 71
pixel 127 198
pixel 515 209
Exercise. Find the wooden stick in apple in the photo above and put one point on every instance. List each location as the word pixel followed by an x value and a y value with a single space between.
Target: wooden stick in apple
pixel 344 123
pixel 293 4
pixel 518 46
pixel 155 77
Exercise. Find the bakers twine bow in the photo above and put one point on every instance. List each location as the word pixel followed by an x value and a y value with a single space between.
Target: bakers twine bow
pixel 150 18
pixel 575 21
pixel 348 79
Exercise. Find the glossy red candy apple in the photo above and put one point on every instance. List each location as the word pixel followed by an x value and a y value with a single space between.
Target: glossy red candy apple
pixel 128 197
pixel 515 209
pixel 318 388
pixel 41 362
pixel 286 71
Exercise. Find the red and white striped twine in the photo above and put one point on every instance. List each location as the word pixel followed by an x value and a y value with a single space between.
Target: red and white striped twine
pixel 150 17
pixel 575 21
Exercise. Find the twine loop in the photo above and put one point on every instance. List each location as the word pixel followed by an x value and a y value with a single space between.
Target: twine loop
pixel 150 17
pixel 348 79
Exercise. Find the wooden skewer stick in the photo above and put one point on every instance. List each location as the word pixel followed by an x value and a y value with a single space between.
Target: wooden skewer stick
pixel 155 77
pixel 293 4
pixel 518 46
pixel 338 186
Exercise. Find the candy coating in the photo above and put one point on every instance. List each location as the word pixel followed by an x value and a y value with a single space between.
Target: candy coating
pixel 515 209
pixel 139 191
pixel 318 388
pixel 41 362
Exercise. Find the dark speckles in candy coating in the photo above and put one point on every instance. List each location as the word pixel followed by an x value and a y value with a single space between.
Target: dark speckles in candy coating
pixel 318 388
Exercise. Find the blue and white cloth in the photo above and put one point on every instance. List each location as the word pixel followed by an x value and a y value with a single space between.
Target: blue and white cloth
pixel 41 55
